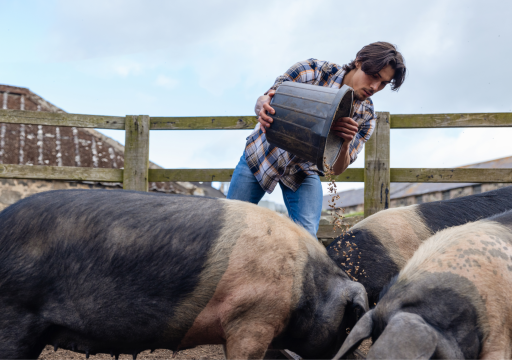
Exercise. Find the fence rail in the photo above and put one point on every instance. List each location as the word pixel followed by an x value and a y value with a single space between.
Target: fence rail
pixel 457 175
pixel 397 121
pixel 204 123
pixel 41 172
pixel 423 121
pixel 61 119
pixel 376 175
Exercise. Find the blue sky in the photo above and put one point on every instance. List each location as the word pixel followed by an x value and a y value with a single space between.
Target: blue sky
pixel 211 58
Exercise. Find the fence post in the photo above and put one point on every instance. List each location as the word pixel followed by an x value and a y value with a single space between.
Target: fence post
pixel 136 153
pixel 376 168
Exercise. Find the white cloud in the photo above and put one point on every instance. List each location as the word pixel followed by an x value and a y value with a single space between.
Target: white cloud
pixel 232 44
pixel 166 82
pixel 114 66
pixel 144 99
pixel 100 28
pixel 433 36
pixel 127 68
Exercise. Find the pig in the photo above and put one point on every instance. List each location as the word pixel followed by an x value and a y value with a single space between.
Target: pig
pixel 450 301
pixel 106 271
pixel 377 248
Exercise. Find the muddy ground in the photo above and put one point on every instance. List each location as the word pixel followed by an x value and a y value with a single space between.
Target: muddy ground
pixel 204 352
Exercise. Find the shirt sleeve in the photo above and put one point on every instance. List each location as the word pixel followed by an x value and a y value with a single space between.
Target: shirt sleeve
pixel 307 71
pixel 367 113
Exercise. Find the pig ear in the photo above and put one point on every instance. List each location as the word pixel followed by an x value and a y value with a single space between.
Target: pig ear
pixel 406 336
pixel 358 297
pixel 361 331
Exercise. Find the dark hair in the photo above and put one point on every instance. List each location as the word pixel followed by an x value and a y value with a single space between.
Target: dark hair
pixel 376 56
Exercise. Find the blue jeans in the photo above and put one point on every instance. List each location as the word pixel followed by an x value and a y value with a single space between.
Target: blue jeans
pixel 304 205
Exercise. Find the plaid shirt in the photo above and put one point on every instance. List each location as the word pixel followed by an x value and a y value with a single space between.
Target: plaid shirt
pixel 270 164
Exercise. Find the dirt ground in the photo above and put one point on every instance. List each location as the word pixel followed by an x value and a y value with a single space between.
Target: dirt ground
pixel 365 347
pixel 204 352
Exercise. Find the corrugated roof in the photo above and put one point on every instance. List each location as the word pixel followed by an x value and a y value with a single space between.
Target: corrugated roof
pixel 401 190
pixel 412 189
pixel 502 163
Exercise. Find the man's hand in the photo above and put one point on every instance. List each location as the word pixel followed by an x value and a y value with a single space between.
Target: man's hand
pixel 345 128
pixel 263 108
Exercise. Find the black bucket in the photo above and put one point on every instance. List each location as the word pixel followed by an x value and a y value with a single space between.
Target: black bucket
pixel 303 118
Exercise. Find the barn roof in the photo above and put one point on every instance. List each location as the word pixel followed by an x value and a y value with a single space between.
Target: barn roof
pixel 65 146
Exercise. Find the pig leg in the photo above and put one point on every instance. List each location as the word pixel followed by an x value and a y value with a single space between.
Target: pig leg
pixel 20 337
pixel 497 345
pixel 248 341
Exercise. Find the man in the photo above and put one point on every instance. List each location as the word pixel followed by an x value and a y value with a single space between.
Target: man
pixel 263 166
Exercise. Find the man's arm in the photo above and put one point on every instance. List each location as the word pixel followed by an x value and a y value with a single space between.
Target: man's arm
pixel 346 128
pixel 343 160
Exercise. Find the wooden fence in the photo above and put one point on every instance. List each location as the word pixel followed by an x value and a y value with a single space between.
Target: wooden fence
pixel 136 174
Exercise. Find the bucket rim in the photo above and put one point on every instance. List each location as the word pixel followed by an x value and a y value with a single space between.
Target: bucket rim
pixel 344 90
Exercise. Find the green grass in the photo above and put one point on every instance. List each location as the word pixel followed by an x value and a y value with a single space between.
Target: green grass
pixel 355 213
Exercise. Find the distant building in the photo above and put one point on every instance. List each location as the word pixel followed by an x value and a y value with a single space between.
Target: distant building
pixel 403 194
pixel 64 146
